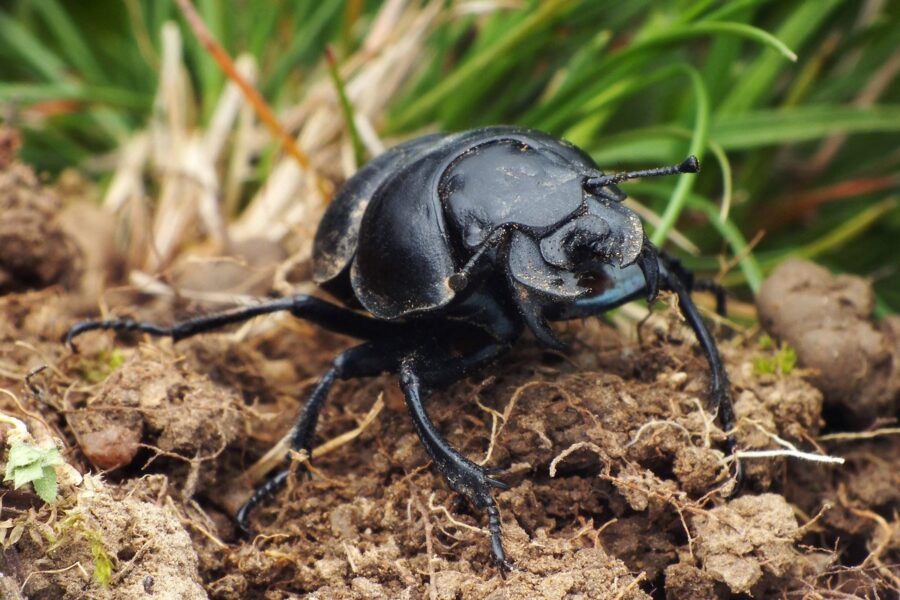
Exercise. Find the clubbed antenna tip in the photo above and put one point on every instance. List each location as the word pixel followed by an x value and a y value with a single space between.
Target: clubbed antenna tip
pixel 690 165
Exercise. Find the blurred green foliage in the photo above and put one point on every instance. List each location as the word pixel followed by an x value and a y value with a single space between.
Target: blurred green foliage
pixel 806 151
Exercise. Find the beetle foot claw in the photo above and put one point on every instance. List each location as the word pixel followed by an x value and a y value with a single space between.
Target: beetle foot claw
pixel 505 567
pixel 499 555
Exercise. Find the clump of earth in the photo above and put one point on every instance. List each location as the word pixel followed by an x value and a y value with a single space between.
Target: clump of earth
pixel 619 483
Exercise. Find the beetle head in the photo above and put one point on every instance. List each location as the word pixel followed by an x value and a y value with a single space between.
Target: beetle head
pixel 607 233
pixel 601 234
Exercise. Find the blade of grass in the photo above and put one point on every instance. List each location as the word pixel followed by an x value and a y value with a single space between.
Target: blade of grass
pixel 306 43
pixel 209 74
pixel 253 97
pixel 631 60
pixel 32 93
pixel 70 38
pixel 847 231
pixel 733 7
pixel 29 50
pixel 675 34
pixel 769 127
pixel 541 18
pixel 733 236
pixel 752 130
pixel 833 240
pixel 697 146
pixel 359 149
pixel 726 228
pixel 759 80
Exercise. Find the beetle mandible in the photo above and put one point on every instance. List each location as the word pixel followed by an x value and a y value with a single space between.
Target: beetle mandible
pixel 475 237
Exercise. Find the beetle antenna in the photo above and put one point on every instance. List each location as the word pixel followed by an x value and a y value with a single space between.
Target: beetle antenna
pixel 688 165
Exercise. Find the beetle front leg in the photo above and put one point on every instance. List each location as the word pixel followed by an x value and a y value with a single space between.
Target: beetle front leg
pixel 674 266
pixel 720 387
pixel 464 476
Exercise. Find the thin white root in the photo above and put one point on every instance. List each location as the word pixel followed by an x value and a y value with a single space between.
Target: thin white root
pixel 790 450
pixel 649 424
pixel 790 453
pixel 574 447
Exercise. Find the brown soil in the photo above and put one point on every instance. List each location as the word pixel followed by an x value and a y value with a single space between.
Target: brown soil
pixel 619 482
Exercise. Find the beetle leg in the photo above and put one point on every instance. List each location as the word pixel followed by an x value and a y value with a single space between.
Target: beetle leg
pixel 695 285
pixel 462 278
pixel 310 308
pixel 365 360
pixel 720 387
pixel 708 285
pixel 464 476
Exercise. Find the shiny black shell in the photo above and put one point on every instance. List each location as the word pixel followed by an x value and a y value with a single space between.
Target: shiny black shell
pixel 409 219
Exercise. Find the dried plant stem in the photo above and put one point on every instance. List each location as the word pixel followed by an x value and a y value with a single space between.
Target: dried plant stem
pixel 253 97
pixel 859 435
pixel 429 547
pixel 277 453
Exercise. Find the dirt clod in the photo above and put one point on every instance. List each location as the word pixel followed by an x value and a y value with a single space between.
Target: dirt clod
pixel 748 538
pixel 827 319
pixel 34 250
pixel 686 582
pixel 152 399
pixel 113 543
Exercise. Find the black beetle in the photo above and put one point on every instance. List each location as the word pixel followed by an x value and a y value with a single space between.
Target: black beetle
pixel 464 240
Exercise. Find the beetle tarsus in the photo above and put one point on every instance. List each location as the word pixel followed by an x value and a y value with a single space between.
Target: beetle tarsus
pixel 504 565
pixel 260 494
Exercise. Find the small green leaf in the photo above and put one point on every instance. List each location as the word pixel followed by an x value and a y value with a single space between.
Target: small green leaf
pixel 31 464
pixel 21 454
pixel 45 486
pixel 51 457
pixel 27 473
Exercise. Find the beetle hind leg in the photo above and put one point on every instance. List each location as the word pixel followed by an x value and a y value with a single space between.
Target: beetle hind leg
pixel 330 316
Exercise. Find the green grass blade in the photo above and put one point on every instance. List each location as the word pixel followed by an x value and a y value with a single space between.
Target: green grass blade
pixel 539 19
pixel 359 150
pixel 770 127
pixel 29 49
pixel 759 80
pixel 747 262
pixel 750 268
pixel 837 238
pixel 69 37
pixel 701 28
pixel 633 60
pixel 698 145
